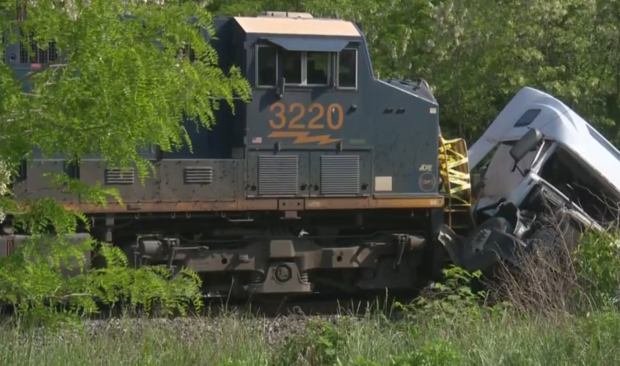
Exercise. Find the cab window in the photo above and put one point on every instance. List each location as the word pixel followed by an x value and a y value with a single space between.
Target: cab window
pixel 347 69
pixel 267 66
pixel 306 68
pixel 317 65
pixel 292 67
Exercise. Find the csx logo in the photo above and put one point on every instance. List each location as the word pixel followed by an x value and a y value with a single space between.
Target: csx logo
pixel 426 167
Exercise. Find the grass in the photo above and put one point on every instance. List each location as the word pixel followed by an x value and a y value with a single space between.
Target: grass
pixel 502 340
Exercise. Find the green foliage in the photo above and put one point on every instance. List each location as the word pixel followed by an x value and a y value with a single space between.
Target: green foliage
pixel 598 329
pixel 319 345
pixel 455 290
pixel 437 352
pixel 35 280
pixel 234 340
pixel 446 307
pixel 428 335
pixel 451 300
pixel 597 264
pixel 119 86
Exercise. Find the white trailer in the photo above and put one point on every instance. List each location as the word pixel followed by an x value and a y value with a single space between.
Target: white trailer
pixel 542 168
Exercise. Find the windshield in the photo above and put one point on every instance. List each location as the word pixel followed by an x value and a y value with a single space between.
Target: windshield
pixel 582 185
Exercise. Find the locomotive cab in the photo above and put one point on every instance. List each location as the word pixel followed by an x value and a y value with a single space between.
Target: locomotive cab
pixel 338 137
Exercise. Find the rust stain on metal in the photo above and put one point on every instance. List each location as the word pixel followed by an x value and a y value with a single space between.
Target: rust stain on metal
pixel 263 204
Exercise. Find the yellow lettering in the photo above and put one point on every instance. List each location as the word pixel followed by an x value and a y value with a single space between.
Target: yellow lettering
pixel 298 112
pixel 330 122
pixel 313 122
pixel 302 112
pixel 280 114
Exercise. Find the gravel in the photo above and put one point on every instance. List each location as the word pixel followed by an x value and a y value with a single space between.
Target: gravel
pixel 272 331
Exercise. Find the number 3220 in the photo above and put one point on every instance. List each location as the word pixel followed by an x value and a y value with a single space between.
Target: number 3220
pixel 294 124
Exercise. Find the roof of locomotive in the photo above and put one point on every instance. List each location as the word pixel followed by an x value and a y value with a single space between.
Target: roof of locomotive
pixel 297 24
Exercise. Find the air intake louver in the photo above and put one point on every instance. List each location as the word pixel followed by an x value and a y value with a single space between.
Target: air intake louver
pixel 118 176
pixel 340 174
pixel 277 175
pixel 198 175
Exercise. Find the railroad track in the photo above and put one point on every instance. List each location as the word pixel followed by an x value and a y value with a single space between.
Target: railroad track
pixel 315 306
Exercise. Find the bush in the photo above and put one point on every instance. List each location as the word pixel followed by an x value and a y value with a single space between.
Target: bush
pixel 32 280
pixel 597 264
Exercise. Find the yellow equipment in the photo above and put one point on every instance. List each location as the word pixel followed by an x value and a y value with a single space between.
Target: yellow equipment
pixel 456 182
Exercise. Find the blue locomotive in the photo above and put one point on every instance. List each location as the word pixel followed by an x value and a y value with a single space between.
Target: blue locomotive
pixel 328 180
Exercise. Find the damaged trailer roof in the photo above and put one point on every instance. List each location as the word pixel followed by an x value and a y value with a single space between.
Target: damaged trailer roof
pixel 532 108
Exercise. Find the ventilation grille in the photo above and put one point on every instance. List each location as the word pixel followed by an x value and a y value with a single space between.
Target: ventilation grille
pixel 117 176
pixel 198 174
pixel 277 175
pixel 31 53
pixel 340 174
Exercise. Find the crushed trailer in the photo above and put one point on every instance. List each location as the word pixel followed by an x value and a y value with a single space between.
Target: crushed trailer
pixel 545 176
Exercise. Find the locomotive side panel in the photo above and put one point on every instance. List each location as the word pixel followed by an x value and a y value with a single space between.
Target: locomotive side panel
pixel 32 182
pixel 406 130
pixel 199 180
pixel 126 181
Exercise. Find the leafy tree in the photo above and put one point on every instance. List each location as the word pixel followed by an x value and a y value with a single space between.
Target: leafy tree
pixel 118 85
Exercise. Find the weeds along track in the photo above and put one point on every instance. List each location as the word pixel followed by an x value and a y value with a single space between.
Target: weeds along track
pixel 284 306
pixel 269 308
pixel 271 323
